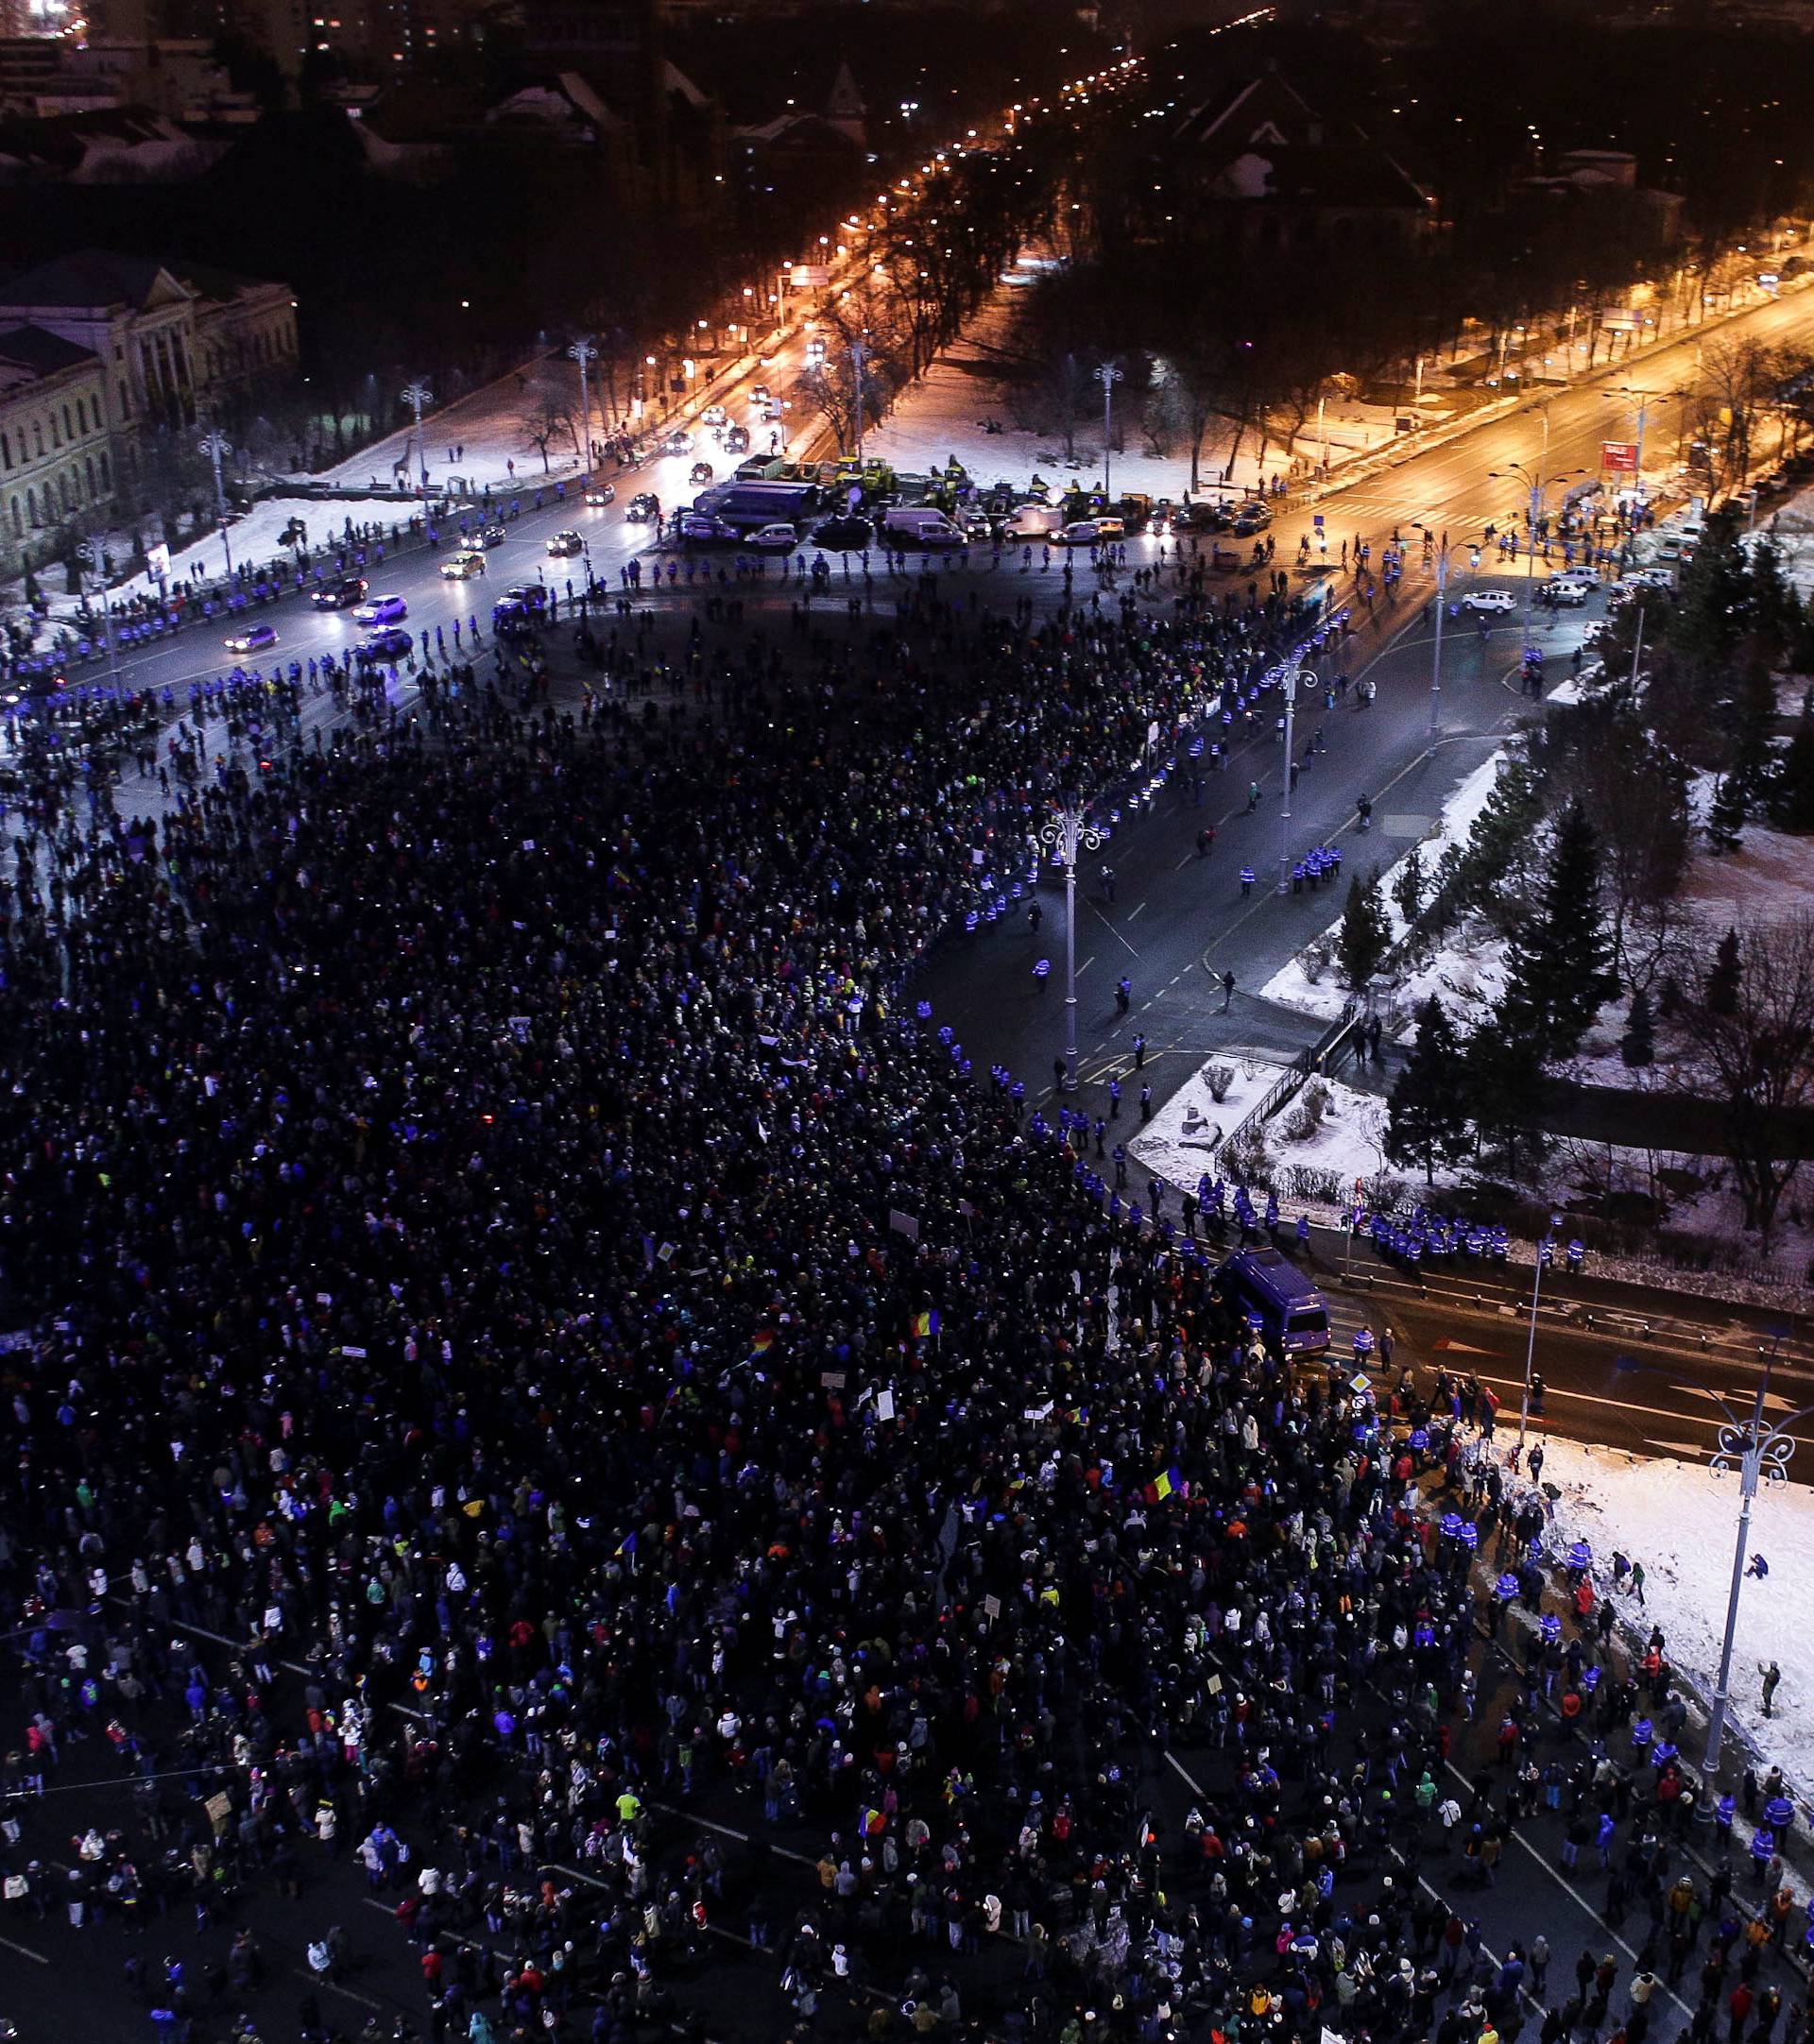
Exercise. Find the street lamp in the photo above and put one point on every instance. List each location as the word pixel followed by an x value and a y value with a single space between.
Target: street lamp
pixel 1442 605
pixel 1108 375
pixel 582 351
pixel 417 396
pixel 856 371
pixel 1537 484
pixel 215 445
pixel 1531 1346
pixel 1291 680
pixel 1069 831
pixel 98 560
pixel 1760 1453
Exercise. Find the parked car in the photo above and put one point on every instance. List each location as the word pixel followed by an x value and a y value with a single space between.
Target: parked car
pixel 644 508
pixel 845 531
pixel 340 595
pixel 773 539
pixel 1489 599
pixel 532 595
pixel 390 644
pixel 462 566
pixel 1251 518
pixel 380 610
pixel 700 529
pixel 1079 533
pixel 565 544
pixel 600 494
pixel 252 638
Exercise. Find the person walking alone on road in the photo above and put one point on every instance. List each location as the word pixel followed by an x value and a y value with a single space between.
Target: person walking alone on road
pixel 1228 990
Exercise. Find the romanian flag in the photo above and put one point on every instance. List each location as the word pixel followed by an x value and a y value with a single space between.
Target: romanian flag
pixel 1167 1482
pixel 925 1326
pixel 764 1341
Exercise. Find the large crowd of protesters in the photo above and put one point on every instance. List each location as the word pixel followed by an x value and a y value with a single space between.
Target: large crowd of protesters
pixel 538 1348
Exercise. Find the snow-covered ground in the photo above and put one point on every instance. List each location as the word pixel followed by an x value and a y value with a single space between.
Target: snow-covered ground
pixel 1317 990
pixel 481 438
pixel 1179 1143
pixel 944 417
pixel 1679 1521
pixel 258 537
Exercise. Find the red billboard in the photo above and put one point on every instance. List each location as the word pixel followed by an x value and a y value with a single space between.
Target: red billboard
pixel 1619 457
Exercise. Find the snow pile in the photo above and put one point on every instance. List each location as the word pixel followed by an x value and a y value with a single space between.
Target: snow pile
pixel 1464 976
pixel 1679 1521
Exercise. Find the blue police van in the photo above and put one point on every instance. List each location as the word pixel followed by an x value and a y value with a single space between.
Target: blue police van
pixel 1293 1314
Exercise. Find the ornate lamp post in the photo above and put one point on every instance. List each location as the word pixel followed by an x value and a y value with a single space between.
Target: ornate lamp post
pixel 217 446
pixel 1067 832
pixel 417 396
pixel 1108 375
pixel 583 351
pixel 1759 1450
pixel 1291 680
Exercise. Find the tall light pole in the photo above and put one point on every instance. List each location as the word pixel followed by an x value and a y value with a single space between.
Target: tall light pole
pixel 217 446
pixel 1531 1346
pixel 1107 375
pixel 417 396
pixel 1760 1453
pixel 1069 831
pixel 1291 680
pixel 583 350
pixel 1442 606
pixel 98 560
pixel 856 372
pixel 1537 484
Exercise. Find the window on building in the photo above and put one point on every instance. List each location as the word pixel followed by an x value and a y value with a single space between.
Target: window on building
pixel 107 481
pixel 6 449
pixel 126 403
pixel 68 429
pixel 31 506
pixel 18 521
pixel 88 465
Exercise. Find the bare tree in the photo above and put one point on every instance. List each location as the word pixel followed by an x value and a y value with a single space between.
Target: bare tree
pixel 1755 1052
pixel 545 425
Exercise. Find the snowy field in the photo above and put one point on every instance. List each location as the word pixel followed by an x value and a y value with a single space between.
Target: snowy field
pixel 945 416
pixel 258 537
pixel 1679 1521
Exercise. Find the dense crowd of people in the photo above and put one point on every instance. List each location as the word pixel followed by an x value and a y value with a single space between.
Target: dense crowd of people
pixel 536 1336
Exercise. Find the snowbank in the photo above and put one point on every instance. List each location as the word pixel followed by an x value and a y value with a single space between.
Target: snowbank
pixel 1679 1521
